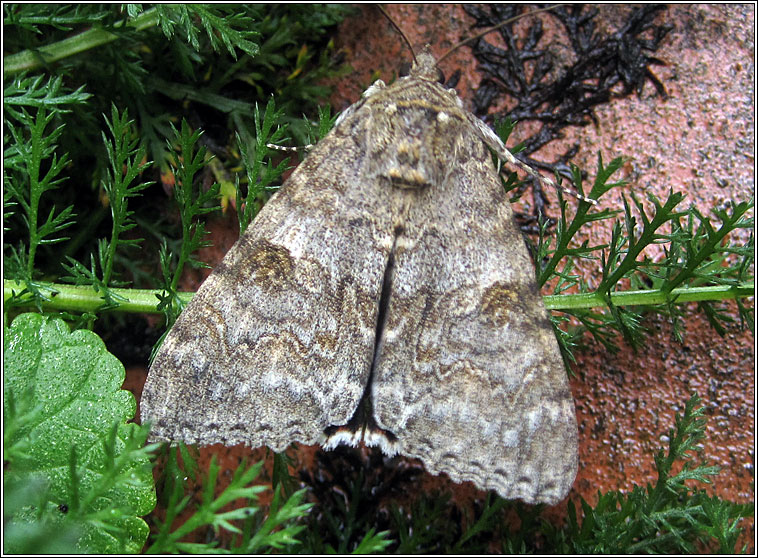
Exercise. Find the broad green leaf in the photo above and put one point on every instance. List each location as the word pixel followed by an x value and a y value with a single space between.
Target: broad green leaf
pixel 66 423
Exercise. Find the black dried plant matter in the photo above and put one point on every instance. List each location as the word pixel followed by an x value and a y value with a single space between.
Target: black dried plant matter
pixel 377 475
pixel 351 489
pixel 130 338
pixel 360 493
pixel 560 85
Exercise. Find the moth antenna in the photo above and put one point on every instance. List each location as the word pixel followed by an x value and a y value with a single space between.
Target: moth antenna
pixel 493 28
pixel 400 31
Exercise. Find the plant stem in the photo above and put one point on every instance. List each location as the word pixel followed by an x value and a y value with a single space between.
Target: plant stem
pixel 649 298
pixel 647 236
pixel 33 59
pixel 186 250
pixel 85 299
pixel 35 188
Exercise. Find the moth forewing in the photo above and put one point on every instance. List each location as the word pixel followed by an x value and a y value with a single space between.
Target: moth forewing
pixel 384 295
pixel 467 351
pixel 278 342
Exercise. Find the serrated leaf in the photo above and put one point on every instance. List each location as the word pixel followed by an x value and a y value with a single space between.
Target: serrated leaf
pixel 72 385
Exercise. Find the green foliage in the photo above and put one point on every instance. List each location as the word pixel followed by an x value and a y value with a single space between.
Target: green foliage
pixel 432 525
pixel 345 525
pixel 672 517
pixel 254 534
pixel 206 54
pixel 206 65
pixel 694 255
pixel 220 26
pixel 193 201
pixel 32 166
pixel 24 91
pixel 126 164
pixel 77 474
pixel 260 176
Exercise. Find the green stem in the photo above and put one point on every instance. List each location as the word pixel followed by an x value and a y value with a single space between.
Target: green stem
pixel 649 298
pixel 35 188
pixel 186 250
pixel 33 59
pixel 111 255
pixel 85 299
pixel 560 250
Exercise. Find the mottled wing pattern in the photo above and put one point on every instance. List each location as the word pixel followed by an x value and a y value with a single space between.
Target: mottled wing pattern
pixel 468 374
pixel 278 342
pixel 386 272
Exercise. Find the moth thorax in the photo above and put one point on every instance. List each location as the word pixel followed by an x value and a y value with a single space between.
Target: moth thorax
pixel 405 168
pixel 412 155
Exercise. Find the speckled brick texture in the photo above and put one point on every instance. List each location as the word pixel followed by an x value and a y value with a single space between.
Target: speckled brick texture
pixel 699 141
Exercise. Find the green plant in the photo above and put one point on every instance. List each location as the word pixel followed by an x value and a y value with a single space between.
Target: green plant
pixel 673 516
pixel 255 535
pixel 66 435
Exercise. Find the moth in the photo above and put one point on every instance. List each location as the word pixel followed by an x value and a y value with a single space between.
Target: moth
pixel 383 295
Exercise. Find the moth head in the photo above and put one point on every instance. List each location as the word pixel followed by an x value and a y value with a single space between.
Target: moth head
pixel 424 67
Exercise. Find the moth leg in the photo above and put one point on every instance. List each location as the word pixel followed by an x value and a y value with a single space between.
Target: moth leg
pixel 503 154
pixel 296 149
